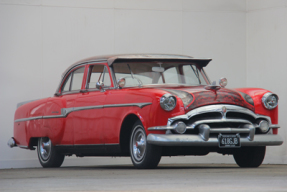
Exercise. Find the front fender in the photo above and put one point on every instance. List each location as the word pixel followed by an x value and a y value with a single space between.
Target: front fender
pixel 256 94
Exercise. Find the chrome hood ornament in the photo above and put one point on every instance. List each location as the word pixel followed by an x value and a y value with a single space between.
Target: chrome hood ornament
pixel 222 82
pixel 213 86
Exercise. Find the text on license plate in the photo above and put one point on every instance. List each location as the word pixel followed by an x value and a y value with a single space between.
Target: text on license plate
pixel 229 140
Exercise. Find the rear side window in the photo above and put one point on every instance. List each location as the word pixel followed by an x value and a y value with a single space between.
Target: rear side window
pixel 74 80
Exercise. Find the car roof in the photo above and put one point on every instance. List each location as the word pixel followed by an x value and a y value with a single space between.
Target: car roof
pixel 110 59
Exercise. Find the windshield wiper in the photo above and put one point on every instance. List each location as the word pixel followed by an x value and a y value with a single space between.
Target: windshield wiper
pixel 140 83
pixel 130 70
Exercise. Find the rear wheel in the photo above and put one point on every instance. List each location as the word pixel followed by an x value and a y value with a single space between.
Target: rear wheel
pixel 47 154
pixel 250 156
pixel 143 155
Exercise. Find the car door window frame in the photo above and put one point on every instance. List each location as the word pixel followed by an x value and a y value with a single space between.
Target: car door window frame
pixel 89 73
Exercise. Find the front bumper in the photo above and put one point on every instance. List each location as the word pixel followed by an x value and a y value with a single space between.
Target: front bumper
pixel 196 140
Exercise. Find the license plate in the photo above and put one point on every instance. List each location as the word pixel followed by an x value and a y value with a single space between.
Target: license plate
pixel 229 141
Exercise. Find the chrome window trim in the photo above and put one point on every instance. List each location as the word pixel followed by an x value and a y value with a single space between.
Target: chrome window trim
pixel 97 90
pixel 66 111
pixel 74 66
pixel 71 92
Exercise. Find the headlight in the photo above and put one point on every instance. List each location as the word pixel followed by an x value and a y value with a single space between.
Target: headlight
pixel 270 100
pixel 168 102
pixel 184 96
pixel 247 98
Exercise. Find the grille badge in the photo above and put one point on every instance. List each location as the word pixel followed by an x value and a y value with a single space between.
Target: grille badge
pixel 223 112
pixel 224 109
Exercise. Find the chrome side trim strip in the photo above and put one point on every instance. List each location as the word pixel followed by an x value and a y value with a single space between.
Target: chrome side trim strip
pixel 28 119
pixel 66 111
pixel 84 108
pixel 196 140
pixel 140 105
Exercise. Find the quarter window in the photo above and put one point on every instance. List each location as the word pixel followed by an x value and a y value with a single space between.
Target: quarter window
pixel 67 83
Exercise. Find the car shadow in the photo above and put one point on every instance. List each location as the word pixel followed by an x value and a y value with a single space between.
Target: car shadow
pixel 160 167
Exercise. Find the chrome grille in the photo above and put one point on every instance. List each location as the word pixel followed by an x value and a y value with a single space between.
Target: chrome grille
pixel 209 121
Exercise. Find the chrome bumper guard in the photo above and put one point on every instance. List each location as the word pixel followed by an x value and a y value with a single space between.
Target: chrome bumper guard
pixel 11 142
pixel 196 140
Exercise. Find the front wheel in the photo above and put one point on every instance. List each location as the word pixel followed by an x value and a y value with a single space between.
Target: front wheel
pixel 47 154
pixel 143 155
pixel 250 156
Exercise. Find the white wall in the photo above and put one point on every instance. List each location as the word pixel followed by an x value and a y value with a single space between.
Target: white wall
pixel 39 39
pixel 267 59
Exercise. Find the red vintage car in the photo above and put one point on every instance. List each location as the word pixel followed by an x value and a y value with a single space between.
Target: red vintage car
pixel 147 106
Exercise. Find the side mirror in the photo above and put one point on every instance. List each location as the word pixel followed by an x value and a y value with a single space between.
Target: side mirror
pixel 222 82
pixel 100 85
pixel 121 82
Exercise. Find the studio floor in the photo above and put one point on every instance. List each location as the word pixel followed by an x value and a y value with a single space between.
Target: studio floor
pixel 168 177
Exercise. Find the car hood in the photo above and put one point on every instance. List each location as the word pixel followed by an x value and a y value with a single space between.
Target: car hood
pixel 202 96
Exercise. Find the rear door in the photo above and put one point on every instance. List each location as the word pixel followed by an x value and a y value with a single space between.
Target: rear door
pixel 62 128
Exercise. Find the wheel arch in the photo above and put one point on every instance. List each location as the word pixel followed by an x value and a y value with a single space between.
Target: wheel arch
pixel 126 129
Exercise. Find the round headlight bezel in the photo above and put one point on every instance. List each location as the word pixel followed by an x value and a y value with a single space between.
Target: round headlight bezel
pixel 266 98
pixel 168 102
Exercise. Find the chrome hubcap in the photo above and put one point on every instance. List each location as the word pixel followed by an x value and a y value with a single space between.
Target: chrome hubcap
pixel 139 144
pixel 45 148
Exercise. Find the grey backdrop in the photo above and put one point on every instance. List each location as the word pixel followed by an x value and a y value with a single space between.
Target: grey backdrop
pixel 39 39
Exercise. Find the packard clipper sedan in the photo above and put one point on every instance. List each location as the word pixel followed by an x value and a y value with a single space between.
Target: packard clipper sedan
pixel 147 106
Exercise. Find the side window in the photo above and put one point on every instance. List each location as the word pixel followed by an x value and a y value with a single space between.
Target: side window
pixel 98 73
pixel 77 79
pixel 74 80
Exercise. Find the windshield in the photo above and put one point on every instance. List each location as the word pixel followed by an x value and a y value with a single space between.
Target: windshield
pixel 156 72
